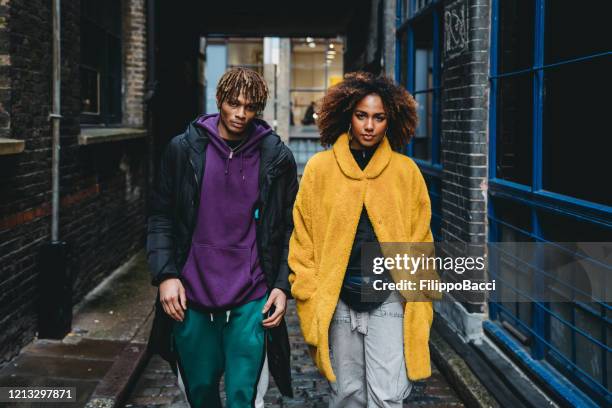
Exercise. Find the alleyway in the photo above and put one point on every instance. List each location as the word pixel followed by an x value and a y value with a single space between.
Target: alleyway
pixel 156 386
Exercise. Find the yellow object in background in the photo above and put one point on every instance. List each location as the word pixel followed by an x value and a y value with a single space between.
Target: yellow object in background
pixel 334 79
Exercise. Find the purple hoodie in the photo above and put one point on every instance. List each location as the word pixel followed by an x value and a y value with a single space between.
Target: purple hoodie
pixel 222 270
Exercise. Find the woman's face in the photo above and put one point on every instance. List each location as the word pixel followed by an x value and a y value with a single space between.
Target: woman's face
pixel 368 123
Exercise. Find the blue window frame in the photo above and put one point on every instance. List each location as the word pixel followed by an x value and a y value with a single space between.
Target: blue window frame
pixel 546 152
pixel 418 69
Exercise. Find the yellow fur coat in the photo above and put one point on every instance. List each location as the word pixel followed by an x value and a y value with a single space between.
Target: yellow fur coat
pixel 332 194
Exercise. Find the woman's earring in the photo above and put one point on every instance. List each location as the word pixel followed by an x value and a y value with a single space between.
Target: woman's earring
pixel 350 135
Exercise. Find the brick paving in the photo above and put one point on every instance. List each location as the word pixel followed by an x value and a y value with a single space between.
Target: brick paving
pixel 157 387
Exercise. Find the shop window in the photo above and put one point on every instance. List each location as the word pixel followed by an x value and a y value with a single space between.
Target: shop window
pixel 101 61
pixel 548 70
pixel 316 64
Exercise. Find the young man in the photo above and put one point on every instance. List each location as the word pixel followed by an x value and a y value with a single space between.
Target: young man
pixel 217 247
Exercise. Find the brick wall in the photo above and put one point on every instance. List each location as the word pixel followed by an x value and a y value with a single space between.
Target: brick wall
pixel 134 50
pixel 102 186
pixel 464 125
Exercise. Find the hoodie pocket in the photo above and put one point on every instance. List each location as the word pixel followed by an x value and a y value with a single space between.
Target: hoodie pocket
pixel 223 270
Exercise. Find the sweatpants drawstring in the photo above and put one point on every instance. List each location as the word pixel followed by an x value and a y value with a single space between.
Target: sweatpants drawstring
pixel 227 316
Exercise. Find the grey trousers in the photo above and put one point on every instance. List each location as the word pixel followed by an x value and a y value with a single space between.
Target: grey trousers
pixel 367 356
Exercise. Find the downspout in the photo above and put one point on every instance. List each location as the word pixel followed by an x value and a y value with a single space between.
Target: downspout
pixel 55 117
pixel 150 96
pixel 54 276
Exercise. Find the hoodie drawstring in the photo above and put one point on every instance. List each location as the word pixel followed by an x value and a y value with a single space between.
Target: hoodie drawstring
pixel 242 164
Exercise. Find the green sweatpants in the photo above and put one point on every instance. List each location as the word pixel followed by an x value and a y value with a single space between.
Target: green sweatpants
pixel 209 345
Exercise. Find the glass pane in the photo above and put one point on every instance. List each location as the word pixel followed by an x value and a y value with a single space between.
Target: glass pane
pixel 246 53
pixel 403 62
pixel 575 31
pixel 558 228
pixel 514 129
pixel 316 64
pixel 90 91
pixel 304 104
pixel 588 353
pixel 420 4
pixel 92 45
pixel 216 62
pixel 575 134
pixel 515 214
pixel 561 336
pixel 423 83
pixel 405 9
pixel 516 35
pixel 422 138
pixel 423 57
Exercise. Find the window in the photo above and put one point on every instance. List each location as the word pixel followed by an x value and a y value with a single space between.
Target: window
pixel 548 82
pixel 549 73
pixel 419 39
pixel 101 61
pixel 419 47
pixel 423 87
pixel 576 131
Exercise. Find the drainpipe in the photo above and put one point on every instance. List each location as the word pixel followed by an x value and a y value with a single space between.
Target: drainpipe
pixel 150 97
pixel 54 278
pixel 55 121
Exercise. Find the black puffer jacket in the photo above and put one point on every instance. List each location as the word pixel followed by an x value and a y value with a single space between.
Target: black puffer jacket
pixel 172 220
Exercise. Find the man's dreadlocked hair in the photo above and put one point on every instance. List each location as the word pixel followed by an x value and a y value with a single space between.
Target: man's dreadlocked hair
pixel 341 99
pixel 243 81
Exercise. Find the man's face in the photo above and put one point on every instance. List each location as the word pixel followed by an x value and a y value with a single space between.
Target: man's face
pixel 236 114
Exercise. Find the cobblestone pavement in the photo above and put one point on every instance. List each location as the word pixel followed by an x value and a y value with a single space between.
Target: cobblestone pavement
pixel 157 387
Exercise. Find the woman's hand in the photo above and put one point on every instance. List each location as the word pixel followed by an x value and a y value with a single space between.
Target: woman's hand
pixel 173 299
pixel 279 300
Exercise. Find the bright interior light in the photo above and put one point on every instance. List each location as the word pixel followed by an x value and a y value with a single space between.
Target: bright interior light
pixel 331 46
pixel 309 39
pixel 312 45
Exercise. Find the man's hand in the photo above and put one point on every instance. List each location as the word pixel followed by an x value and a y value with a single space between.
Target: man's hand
pixel 173 299
pixel 279 300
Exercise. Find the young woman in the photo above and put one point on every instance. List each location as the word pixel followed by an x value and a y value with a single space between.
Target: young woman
pixel 360 191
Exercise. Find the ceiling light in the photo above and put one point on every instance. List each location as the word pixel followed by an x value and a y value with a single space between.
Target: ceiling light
pixel 331 46
pixel 312 45
pixel 309 39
